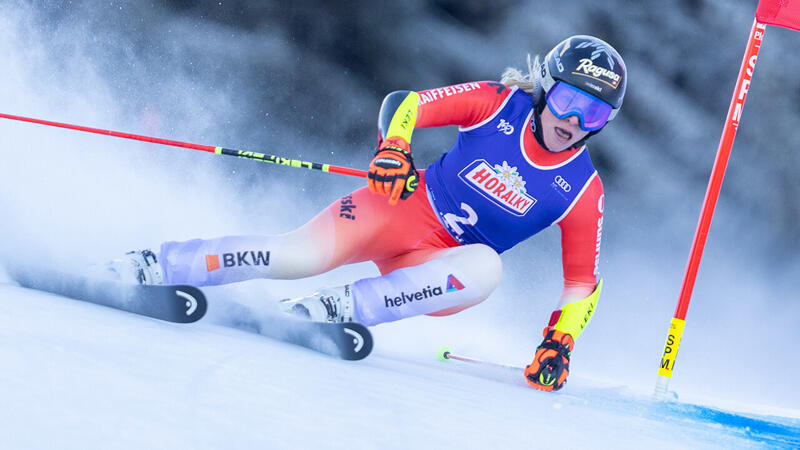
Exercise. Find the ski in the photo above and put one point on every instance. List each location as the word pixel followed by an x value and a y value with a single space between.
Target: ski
pixel 173 303
pixel 348 340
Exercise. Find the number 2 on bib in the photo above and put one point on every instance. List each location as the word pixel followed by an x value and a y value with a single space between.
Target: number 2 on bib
pixel 453 220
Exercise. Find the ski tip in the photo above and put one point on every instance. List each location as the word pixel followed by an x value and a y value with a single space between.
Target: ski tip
pixel 192 304
pixel 358 343
pixel 443 354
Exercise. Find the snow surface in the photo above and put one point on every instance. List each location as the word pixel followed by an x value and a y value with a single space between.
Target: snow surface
pixel 75 375
pixel 78 375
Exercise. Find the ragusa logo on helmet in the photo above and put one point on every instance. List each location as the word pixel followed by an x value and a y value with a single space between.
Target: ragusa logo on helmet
pixel 587 67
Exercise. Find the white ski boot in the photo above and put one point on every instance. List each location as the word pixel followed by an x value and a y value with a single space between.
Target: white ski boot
pixel 136 267
pixel 326 305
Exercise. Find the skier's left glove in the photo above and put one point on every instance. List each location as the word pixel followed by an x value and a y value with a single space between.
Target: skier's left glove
pixel 550 366
pixel 392 171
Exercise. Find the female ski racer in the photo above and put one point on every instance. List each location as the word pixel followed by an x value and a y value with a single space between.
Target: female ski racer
pixel 520 165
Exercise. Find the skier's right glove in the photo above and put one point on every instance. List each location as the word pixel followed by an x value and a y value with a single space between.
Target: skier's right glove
pixel 550 366
pixel 392 171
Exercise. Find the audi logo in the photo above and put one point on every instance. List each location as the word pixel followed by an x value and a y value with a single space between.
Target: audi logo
pixel 562 183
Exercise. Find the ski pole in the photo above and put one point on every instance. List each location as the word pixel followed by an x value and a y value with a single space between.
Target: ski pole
pixel 273 159
pixel 445 354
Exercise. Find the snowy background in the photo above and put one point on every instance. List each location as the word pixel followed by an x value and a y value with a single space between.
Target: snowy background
pixel 305 80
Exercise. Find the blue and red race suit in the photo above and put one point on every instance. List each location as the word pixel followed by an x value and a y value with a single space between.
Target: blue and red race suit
pixel 498 186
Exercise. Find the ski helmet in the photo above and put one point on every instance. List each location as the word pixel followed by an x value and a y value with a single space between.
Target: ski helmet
pixel 590 65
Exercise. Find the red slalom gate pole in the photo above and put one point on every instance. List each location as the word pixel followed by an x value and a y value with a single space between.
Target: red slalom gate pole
pixel 205 148
pixel 710 202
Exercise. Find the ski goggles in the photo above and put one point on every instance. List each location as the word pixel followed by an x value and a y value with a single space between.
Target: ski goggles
pixel 566 100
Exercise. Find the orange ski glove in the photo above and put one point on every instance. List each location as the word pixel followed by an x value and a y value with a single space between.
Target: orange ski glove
pixel 392 171
pixel 550 366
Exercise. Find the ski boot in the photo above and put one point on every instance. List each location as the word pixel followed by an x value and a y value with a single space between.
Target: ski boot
pixel 136 267
pixel 550 366
pixel 326 305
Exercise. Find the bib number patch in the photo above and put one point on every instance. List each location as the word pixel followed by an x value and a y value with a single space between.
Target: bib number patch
pixel 454 222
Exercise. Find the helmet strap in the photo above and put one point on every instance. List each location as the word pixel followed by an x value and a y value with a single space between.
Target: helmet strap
pixel 582 142
pixel 536 124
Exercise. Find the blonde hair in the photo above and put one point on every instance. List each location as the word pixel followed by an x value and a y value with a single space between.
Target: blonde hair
pixel 527 82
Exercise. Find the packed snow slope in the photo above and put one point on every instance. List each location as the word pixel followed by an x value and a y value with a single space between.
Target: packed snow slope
pixel 305 80
pixel 78 375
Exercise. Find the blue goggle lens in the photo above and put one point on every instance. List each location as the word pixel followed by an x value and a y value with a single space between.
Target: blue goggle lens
pixel 565 100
